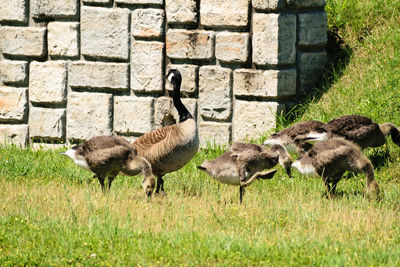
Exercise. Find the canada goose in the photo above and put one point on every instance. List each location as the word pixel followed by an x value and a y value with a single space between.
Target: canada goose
pixel 330 159
pixel 106 156
pixel 243 163
pixel 169 148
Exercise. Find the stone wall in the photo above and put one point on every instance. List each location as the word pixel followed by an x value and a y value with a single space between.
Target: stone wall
pixel 71 70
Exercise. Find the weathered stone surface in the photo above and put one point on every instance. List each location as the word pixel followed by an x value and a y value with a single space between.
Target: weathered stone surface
pixel 46 123
pixel 146 66
pixel 268 4
pixel 215 99
pixel 306 3
pixel 267 83
pixel 217 13
pixel 133 115
pixel 48 82
pixel 232 46
pixel 88 115
pixel 181 11
pixel 54 9
pixel 14 72
pixel 97 1
pixel 148 22
pixel 214 133
pixel 274 39
pixel 252 118
pixel 62 38
pixel 312 28
pixel 12 10
pixel 14 134
pixel 311 66
pixel 195 44
pixel 189 78
pixel 99 75
pixel 13 103
pixel 141 2
pixel 105 32
pixel 165 112
pixel 23 41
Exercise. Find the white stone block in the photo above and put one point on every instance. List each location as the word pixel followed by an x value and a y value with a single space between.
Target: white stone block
pixel 268 4
pixel 232 46
pixel 46 123
pixel 14 134
pixel 13 103
pixel 23 41
pixel 62 38
pixel 189 78
pixel 140 2
pixel 214 133
pixel 147 22
pixel 224 13
pixel 12 10
pixel 181 11
pixel 13 72
pixel 41 9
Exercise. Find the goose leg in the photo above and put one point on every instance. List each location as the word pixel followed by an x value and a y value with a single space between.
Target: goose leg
pixel 259 175
pixel 328 187
pixel 241 193
pixel 101 181
pixel 110 180
pixel 160 185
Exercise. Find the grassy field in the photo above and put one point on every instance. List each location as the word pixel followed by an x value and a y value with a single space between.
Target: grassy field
pixel 52 213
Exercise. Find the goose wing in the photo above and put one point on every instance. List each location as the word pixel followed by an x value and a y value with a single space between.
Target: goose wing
pixel 353 127
pixel 156 139
pixel 101 158
pixel 239 147
pixel 106 141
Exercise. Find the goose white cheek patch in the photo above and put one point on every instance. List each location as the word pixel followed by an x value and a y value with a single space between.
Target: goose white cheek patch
pixel 170 77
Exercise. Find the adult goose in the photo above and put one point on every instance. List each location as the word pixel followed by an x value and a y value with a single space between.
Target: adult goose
pixel 330 159
pixel 243 163
pixel 106 156
pixel 171 147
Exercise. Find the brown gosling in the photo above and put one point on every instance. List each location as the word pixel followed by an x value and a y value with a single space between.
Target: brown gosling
pixel 243 163
pixel 331 159
pixel 106 156
pixel 171 147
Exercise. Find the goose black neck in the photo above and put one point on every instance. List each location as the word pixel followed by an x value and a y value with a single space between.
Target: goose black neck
pixel 184 114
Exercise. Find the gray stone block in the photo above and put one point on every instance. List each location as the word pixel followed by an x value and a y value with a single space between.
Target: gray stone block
pixel 311 66
pixel 140 2
pixel 165 112
pixel 14 134
pixel 305 3
pixel 274 39
pixel 268 4
pixel 264 83
pixel 214 133
pixel 215 94
pixel 181 11
pixel 13 72
pixel 46 123
pixel 133 115
pixel 88 115
pixel 48 82
pixel 232 46
pixel 194 44
pixel 41 9
pixel 312 28
pixel 251 119
pixel 23 41
pixel 98 75
pixel 62 38
pixel 147 22
pixel 105 32
pixel 13 103
pixel 12 10
pixel 147 66
pixel 224 13
pixel 189 78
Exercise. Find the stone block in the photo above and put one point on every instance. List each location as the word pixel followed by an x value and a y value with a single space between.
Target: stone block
pixel 105 32
pixel 312 28
pixel 12 11
pixel 46 123
pixel 189 78
pixel 148 22
pixel 147 66
pixel 13 103
pixel 181 11
pixel 14 134
pixel 274 39
pixel 224 13
pixel 214 133
pixel 133 115
pixel 99 75
pixel 97 1
pixel 311 66
pixel 268 4
pixel 251 119
pixel 305 3
pixel 232 46
pixel 264 83
pixel 13 72
pixel 165 112
pixel 48 82
pixel 41 9
pixel 62 38
pixel 88 115
pixel 215 94
pixel 194 44
pixel 140 2
pixel 23 41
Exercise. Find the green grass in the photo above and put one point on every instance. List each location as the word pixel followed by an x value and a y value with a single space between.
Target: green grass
pixel 53 214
